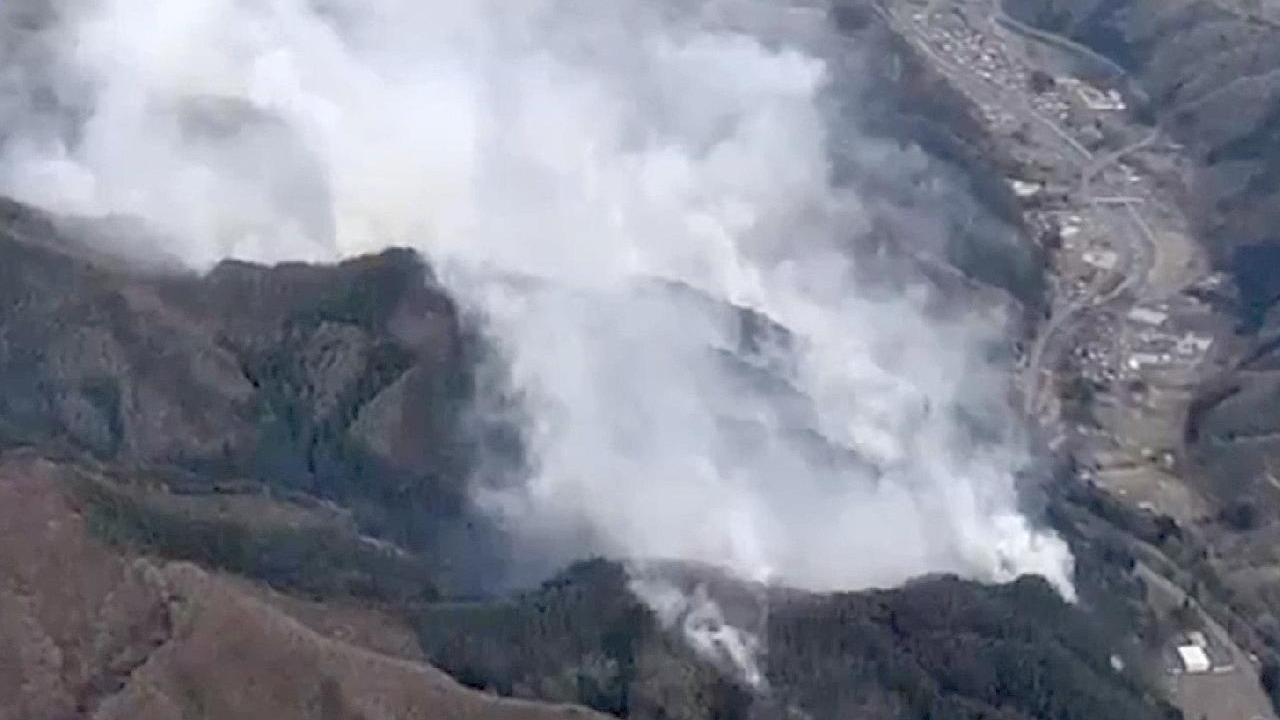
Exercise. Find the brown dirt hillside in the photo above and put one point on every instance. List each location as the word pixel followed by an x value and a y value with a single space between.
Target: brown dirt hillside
pixel 86 632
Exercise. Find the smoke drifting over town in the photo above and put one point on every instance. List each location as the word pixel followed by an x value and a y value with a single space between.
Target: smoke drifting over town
pixel 636 199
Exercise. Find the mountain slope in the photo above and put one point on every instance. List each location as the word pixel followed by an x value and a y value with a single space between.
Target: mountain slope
pixel 88 632
pixel 345 384
pixel 307 428
pixel 937 648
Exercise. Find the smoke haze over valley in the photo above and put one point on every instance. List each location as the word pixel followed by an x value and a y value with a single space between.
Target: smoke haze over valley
pixel 707 352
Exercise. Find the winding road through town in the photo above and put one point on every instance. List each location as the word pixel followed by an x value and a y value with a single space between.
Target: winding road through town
pixel 1129 232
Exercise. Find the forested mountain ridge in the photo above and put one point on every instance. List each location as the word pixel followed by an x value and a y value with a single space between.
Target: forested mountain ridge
pixel 244 493
pixel 246 420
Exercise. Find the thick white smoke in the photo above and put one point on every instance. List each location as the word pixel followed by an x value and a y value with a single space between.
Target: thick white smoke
pixel 602 182
pixel 702 621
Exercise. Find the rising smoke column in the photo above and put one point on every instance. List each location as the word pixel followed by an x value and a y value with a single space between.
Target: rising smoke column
pixel 635 197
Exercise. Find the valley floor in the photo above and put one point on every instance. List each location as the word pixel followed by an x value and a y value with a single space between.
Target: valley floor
pixel 1112 371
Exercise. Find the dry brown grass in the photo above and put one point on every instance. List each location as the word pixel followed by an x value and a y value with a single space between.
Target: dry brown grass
pixel 87 632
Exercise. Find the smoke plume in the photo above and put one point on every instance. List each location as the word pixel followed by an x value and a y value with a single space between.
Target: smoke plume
pixel 638 200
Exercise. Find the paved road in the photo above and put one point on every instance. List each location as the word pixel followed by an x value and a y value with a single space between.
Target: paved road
pixel 1012 100
pixel 1137 244
pixel 1231 691
pixel 1230 694
pixel 1141 250
pixel 1132 238
pixel 1131 233
pixel 1002 20
pixel 1102 162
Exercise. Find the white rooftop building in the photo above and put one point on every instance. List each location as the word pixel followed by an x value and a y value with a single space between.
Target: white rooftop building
pixel 1024 189
pixel 1147 316
pixel 1102 259
pixel 1139 360
pixel 1096 99
pixel 1192 344
pixel 1194 659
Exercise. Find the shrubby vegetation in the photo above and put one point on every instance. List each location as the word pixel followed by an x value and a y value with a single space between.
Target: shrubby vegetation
pixel 315 347
pixel 314 559
pixel 951 649
pixel 584 638
pixel 939 648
